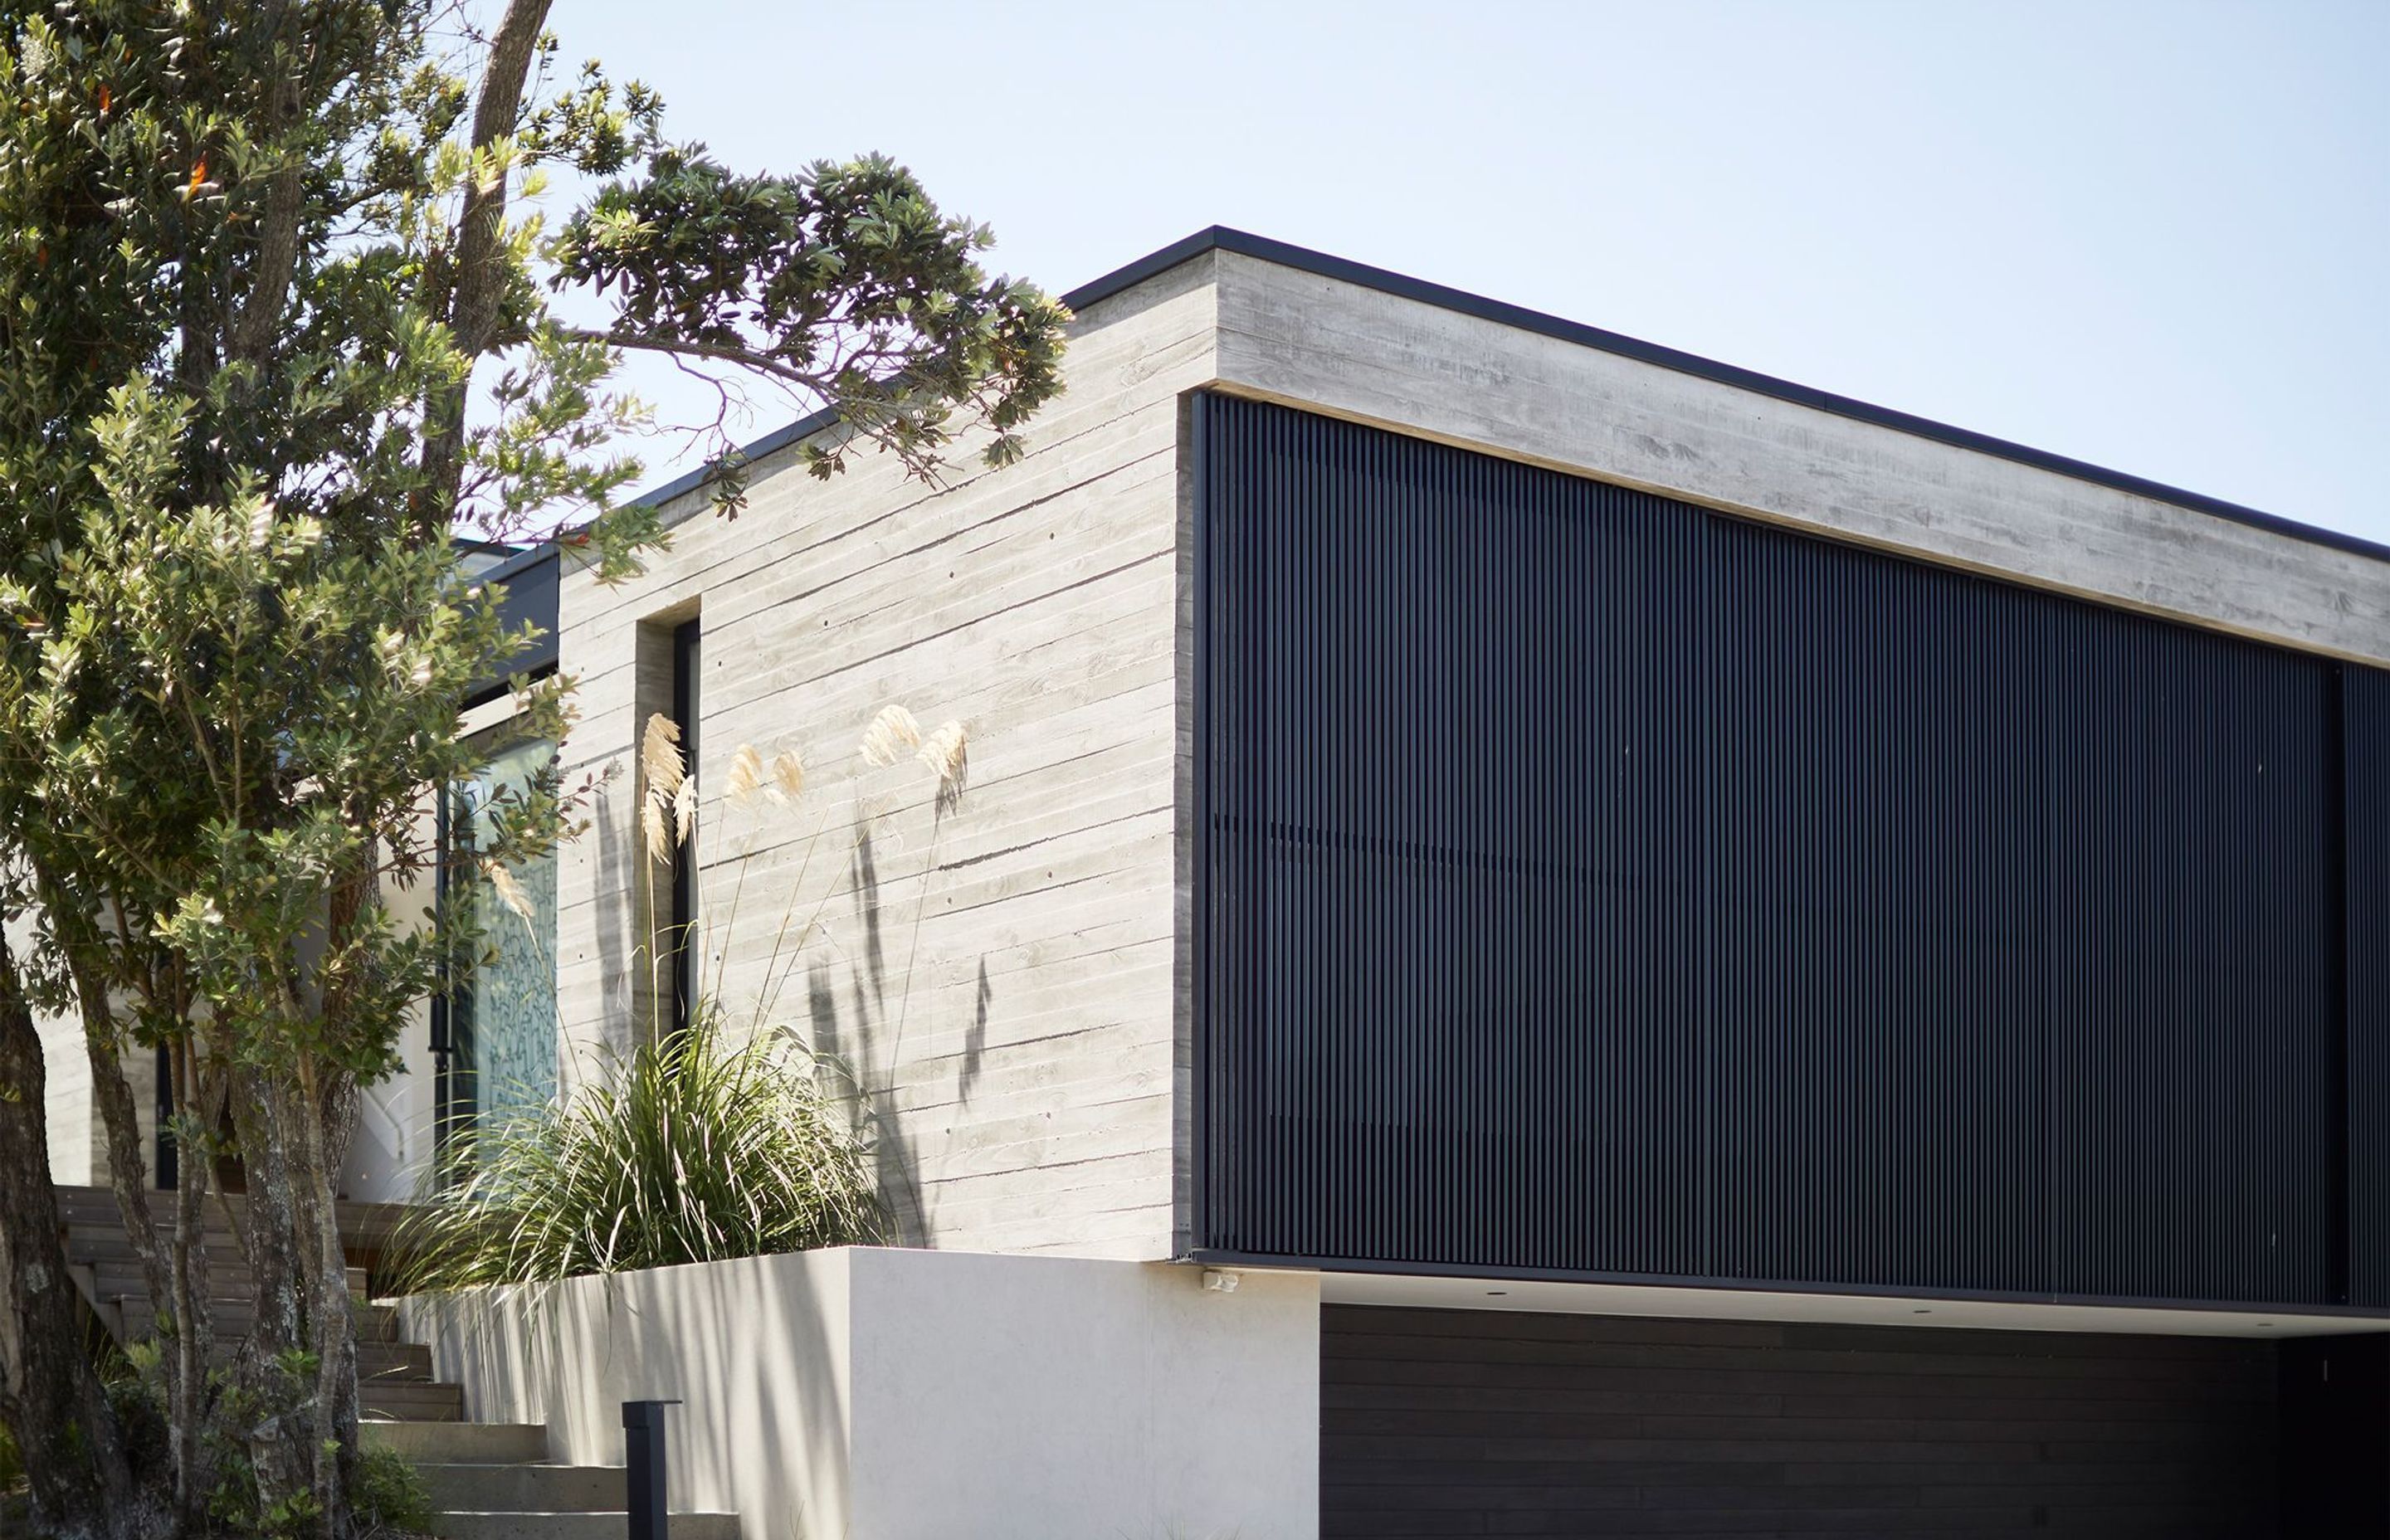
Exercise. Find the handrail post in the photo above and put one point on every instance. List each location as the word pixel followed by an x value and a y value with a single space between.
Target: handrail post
pixel 644 1471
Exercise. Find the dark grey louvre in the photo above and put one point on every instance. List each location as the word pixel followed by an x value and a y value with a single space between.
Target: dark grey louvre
pixel 1455 780
pixel 2195 917
pixel 2366 694
pixel 1594 884
pixel 527 584
pixel 1878 1057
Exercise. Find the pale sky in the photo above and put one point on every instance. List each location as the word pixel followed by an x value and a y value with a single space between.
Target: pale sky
pixel 2155 236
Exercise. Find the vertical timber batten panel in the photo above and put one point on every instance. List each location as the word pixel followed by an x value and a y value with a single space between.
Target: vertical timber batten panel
pixel 2194 918
pixel 1880 1039
pixel 2365 700
pixel 1408 904
pixel 1593 883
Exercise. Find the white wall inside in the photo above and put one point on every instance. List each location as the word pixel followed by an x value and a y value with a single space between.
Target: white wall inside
pixel 868 1393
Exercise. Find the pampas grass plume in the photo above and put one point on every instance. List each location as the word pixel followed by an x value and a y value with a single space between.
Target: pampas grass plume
pixel 746 774
pixel 948 753
pixel 510 891
pixel 891 735
pixel 659 810
pixel 788 774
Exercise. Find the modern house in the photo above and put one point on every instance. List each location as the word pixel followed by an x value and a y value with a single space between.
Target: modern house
pixel 1547 936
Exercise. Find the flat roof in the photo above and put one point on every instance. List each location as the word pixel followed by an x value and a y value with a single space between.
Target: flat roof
pixel 1220 238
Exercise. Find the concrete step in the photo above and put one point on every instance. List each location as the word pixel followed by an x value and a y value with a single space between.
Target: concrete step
pixel 462 1443
pixel 382 1362
pixel 119 1280
pixel 366 1225
pixel 575 1526
pixel 375 1323
pixel 92 1243
pixel 411 1400
pixel 526 1488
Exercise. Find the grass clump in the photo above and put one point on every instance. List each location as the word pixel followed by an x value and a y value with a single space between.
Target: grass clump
pixel 691 1148
pixel 702 1145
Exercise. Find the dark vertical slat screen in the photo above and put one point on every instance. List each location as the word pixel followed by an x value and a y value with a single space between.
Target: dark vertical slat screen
pixel 1449 791
pixel 2366 793
pixel 1881 1046
pixel 1595 884
pixel 2194 916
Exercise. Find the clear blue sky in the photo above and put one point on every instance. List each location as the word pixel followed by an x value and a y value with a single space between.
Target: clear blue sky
pixel 2154 236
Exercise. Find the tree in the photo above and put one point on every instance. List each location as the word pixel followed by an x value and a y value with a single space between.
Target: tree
pixel 276 320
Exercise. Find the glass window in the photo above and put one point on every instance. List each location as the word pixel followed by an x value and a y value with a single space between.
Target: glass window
pixel 502 1021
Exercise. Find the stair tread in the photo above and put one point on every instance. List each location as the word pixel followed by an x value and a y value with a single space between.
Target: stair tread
pixel 511 1465
pixel 364 1213
pixel 504 1524
pixel 459 1442
pixel 395 1385
pixel 120 1281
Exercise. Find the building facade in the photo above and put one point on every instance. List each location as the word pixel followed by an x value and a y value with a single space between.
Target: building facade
pixel 1742 962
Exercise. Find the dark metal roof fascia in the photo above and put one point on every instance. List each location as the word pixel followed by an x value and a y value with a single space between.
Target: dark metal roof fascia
pixel 523 561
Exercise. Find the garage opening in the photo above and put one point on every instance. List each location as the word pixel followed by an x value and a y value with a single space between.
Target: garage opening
pixel 1482 1422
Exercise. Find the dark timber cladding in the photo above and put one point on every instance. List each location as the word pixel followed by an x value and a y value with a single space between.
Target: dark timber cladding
pixel 1456 1422
pixel 1595 884
pixel 2366 737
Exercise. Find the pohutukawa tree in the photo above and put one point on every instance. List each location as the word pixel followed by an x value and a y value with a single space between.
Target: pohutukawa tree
pixel 275 322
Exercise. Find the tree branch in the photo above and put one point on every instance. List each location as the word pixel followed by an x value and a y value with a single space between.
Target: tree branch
pixel 473 311
pixel 259 320
pixel 479 280
pixel 745 358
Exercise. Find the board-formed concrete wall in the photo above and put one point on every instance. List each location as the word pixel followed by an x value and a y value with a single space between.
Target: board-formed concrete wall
pixel 1010 980
pixel 1304 339
pixel 997 977
pixel 875 1394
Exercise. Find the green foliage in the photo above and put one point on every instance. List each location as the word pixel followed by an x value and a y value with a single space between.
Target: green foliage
pixel 846 281
pixel 391 1494
pixel 306 686
pixel 691 1148
pixel 388 1496
pixel 275 325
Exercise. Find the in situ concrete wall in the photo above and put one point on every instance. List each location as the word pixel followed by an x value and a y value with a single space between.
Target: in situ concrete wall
pixel 997 976
pixel 883 1395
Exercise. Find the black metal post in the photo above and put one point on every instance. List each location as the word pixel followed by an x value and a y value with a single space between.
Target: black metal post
pixel 644 1472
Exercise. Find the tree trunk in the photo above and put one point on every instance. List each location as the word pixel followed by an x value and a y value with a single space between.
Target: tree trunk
pixel 313 1176
pixel 304 1447
pixel 189 1402
pixel 50 1397
pixel 173 1264
pixel 276 1410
